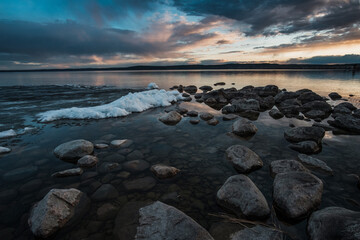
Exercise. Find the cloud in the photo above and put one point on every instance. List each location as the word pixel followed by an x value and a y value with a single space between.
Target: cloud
pixel 346 59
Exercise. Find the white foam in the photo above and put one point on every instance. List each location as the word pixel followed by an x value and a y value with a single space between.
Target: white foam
pixel 152 86
pixel 8 133
pixel 132 102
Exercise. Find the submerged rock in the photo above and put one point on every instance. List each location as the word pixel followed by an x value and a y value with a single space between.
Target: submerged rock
pixel 307 147
pixel 162 171
pixel 296 194
pixel 136 165
pixel 241 195
pixel 229 117
pixel 68 173
pixel 194 121
pixel 59 208
pixel 87 161
pixel 142 184
pixel 314 163
pixel 300 134
pixel 123 143
pixel 161 221
pixel 333 223
pixel 20 173
pixel 283 166
pixel 73 150
pixel 213 122
pixel 105 192
pixel 244 128
pixel 171 118
pixel 243 159
pixel 257 233
pixel 206 116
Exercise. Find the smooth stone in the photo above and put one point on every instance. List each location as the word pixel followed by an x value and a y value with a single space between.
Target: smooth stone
pixel 213 122
pixel 244 128
pixel 161 221
pixel 206 116
pixel 258 232
pixel 243 159
pixel 73 150
pixel 241 195
pixel 134 155
pixel 30 186
pixel 123 174
pixel 314 163
pixel 181 110
pixel 206 88
pixel 105 192
pixel 142 184
pixel 106 212
pixel 333 223
pixel 300 134
pixel 68 173
pixel 243 105
pixel 87 161
pixel 107 167
pixel 194 121
pixel 315 114
pixel 8 195
pixel 88 175
pixel 296 194
pixel 59 208
pixel 162 171
pixel 276 114
pixel 192 113
pixel 335 96
pixel 346 122
pixel 4 150
pixel 190 89
pixel 223 230
pixel 123 143
pixel 229 117
pixel 309 96
pixel 20 173
pixel 101 145
pixel 136 166
pixel 219 84
pixel 283 166
pixel 171 118
pixel 307 147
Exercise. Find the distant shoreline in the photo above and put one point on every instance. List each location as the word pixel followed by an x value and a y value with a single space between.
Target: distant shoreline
pixel 349 67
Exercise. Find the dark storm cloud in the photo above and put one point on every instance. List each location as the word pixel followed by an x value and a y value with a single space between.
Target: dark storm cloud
pixel 268 17
pixel 346 59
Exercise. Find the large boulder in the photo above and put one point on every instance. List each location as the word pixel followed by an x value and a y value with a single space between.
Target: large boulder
pixel 73 150
pixel 171 118
pixel 257 233
pixel 300 134
pixel 161 221
pixel 334 223
pixel 296 194
pixel 244 128
pixel 240 195
pixel 243 159
pixel 283 166
pixel 58 209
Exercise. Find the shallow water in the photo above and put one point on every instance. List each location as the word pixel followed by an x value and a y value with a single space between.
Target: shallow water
pixel 198 150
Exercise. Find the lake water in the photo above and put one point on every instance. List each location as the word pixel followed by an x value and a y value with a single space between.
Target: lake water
pixel 198 150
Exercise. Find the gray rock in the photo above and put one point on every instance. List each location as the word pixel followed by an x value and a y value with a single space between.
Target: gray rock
pixel 309 96
pixel 315 114
pixel 101 146
pixel 136 166
pixel 334 223
pixel 213 122
pixel 105 192
pixel 223 230
pixel 326 127
pixel 243 159
pixel 142 184
pixel 68 173
pixel 258 232
pixel 135 155
pixel 161 221
pixel 240 195
pixel 300 134
pixel 162 171
pixel 206 116
pixel 296 194
pixel 73 150
pixel 171 118
pixel 206 88
pixel 307 147
pixel 210 100
pixel 181 110
pixel 107 167
pixel 58 209
pixel 194 121
pixel 283 166
pixel 229 117
pixel 276 114
pixel 106 211
pixel 244 128
pixel 192 113
pixel 20 173
pixel 347 122
pixel 335 96
pixel 316 105
pixel 123 143
pixel 87 161
pixel 347 105
pixel 283 95
pixel 4 150
pixel 243 105
pixel 314 163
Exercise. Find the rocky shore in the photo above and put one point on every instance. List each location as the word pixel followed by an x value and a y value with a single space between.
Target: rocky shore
pixel 297 187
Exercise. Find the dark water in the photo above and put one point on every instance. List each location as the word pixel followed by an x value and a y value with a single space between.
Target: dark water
pixel 198 150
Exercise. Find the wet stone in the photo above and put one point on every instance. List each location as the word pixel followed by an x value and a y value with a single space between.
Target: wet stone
pixel 136 166
pixel 192 113
pixel 20 174
pixel 87 161
pixel 314 163
pixel 243 159
pixel 206 116
pixel 105 192
pixel 194 121
pixel 244 128
pixel 171 118
pixel 135 155
pixel 141 184
pixel 106 211
pixel 30 186
pixel 68 173
pixel 276 114
pixel 300 134
pixel 213 122
pixel 229 117
pixel 107 167
pixel 241 195
pixel 4 150
pixel 101 146
pixel 123 143
pixel 258 232
pixel 162 171
pixel 335 96
pixel 307 147
pixel 73 150
pixel 283 166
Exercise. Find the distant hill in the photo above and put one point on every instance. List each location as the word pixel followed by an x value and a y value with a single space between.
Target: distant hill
pixel 352 67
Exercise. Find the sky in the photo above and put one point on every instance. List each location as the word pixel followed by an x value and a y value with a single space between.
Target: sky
pixel 37 34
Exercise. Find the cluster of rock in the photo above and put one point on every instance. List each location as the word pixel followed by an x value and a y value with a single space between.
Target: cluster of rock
pixel 305 139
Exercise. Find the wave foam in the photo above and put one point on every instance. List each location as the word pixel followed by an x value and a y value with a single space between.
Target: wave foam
pixel 132 102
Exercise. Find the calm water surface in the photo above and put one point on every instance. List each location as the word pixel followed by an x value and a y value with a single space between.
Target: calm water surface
pixel 198 150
